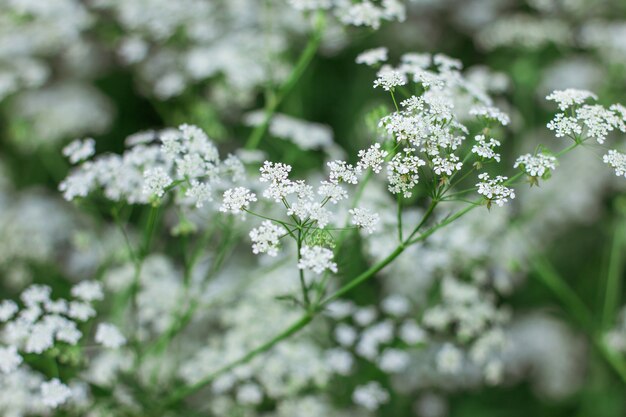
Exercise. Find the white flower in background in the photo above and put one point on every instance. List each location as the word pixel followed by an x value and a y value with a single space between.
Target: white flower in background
pixel 372 57
pixel 9 359
pixel 317 258
pixel 266 238
pixel 79 150
pixel 494 189
pixel 345 335
pixel 200 192
pixel 535 165
pixel 364 219
pixel 249 394
pixel 55 393
pixel 88 291
pixel 237 200
pixel 108 335
pixel 570 97
pixel 396 305
pixel 394 360
pixel 370 396
pixel 411 333
pixel 449 359
pixel 491 113
pixel 617 161
pixel 340 361
pixel 8 308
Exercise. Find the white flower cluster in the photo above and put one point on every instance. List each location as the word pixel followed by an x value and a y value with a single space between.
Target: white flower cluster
pixel 317 258
pixel 617 161
pixel 472 315
pixel 372 57
pixel 183 158
pixel 43 323
pixel 536 165
pixel 305 135
pixel 494 189
pixel 485 149
pixel 586 120
pixel 266 238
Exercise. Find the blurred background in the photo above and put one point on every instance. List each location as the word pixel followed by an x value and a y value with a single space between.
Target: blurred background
pixel 110 68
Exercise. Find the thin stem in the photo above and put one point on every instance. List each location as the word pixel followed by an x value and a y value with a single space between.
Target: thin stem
pixel 303 62
pixel 184 392
pixel 400 232
pixel 613 284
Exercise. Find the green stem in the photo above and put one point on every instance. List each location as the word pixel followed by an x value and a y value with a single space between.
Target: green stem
pixel 613 284
pixel 303 62
pixel 184 392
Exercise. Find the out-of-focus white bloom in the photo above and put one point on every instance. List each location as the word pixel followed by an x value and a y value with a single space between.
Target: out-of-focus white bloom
pixel 372 57
pixel 340 360
pixel 494 189
pixel 365 219
pixel 370 396
pixel 88 291
pixel 8 308
pixel 490 113
pixel 108 335
pixel 535 165
pixel 79 150
pixel 570 97
pixel 394 360
pixel 54 393
pixel 306 135
pixel 449 359
pixel 411 333
pixel 617 161
pixel 345 335
pixel 317 258
pixel 396 305
pixel 249 394
pixel 9 359
pixel 266 237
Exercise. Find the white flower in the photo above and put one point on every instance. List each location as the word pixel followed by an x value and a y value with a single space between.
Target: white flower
pixel 491 113
pixel 494 189
pixel 81 311
pixel 156 180
pixel 35 295
pixel 236 200
pixel 393 360
pixel 54 393
pixel 372 56
pixel 617 161
pixel 365 219
pixel 486 149
pixel 370 396
pixel 411 333
pixel 108 335
pixel 372 157
pixel 200 192
pixel 40 339
pixel 339 360
pixel 389 79
pixel 249 394
pixel 331 191
pixel 9 359
pixel 447 164
pixel 8 308
pixel 570 97
pixel 403 172
pixel 597 120
pixel 396 305
pixel 449 359
pixel 80 150
pixel 564 125
pixel 266 237
pixel 317 258
pixel 345 335
pixel 88 291
pixel 340 171
pixel 535 165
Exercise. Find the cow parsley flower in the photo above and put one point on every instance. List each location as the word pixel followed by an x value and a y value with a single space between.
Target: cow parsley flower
pixel 266 237
pixel 200 192
pixel 372 157
pixel 570 97
pixel 389 79
pixel 317 258
pixel 494 190
pixel 8 308
pixel 109 336
pixel 563 125
pixel 370 396
pixel 447 164
pixel 88 291
pixel 365 219
pixel 597 120
pixel 237 200
pixel 490 113
pixel 393 360
pixel 9 359
pixel 156 180
pixel 372 57
pixel 54 393
pixel 79 150
pixel 535 165
pixel 449 359
pixel 403 172
pixel 617 161
pixel 485 149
